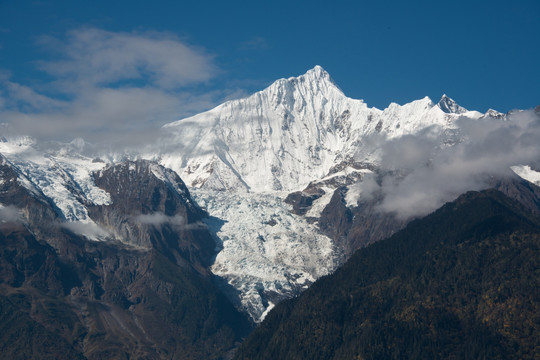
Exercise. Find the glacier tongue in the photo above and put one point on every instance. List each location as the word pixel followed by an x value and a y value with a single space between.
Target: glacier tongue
pixel 267 253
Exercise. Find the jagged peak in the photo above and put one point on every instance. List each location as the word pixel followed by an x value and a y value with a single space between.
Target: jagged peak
pixel 425 100
pixel 317 74
pixel 446 98
pixel 449 106
pixel 493 114
pixel 422 103
pixel 316 79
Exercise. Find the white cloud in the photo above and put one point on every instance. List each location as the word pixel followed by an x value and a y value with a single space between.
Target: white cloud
pixel 95 56
pixel 159 218
pixel 364 190
pixel 110 88
pixel 29 99
pixel 89 229
pixel 428 176
pixel 10 214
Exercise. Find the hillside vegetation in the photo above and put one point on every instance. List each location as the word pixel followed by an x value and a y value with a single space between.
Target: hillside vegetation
pixel 461 283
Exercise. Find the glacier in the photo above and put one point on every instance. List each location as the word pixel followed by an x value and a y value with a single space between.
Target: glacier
pixel 265 252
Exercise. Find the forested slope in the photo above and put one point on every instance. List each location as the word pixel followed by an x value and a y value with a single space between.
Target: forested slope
pixel 461 283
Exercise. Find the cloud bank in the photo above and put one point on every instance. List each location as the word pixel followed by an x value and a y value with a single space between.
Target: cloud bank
pixel 113 88
pixel 93 56
pixel 418 175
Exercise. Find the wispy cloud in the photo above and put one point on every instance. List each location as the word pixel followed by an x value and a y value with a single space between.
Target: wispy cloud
pixel 10 214
pixel 94 56
pixel 159 218
pixel 110 87
pixel 27 99
pixel 89 229
pixel 254 43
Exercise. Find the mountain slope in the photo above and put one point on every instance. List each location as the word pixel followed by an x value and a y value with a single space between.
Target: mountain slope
pixel 461 282
pixel 144 291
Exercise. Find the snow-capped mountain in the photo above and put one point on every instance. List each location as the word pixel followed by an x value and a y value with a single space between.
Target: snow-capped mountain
pixel 273 170
pixel 76 185
pixel 64 180
pixel 287 135
pixel 245 156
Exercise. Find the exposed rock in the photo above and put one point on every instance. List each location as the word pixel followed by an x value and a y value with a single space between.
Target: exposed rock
pixel 147 296
pixel 302 200
pixel 152 208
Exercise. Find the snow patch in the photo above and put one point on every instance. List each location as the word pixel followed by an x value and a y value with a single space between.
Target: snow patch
pixel 66 180
pixel 168 177
pixel 271 305
pixel 319 204
pixel 525 172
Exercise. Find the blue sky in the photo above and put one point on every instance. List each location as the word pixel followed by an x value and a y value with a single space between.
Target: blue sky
pixel 83 67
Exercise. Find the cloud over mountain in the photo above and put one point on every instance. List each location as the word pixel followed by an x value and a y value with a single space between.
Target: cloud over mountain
pixel 418 175
pixel 109 87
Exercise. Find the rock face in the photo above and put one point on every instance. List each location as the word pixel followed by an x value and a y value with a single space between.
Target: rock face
pixel 354 227
pixel 146 293
pixel 152 208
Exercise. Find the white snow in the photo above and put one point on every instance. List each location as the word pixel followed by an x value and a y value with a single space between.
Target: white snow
pixel 167 176
pixel 271 305
pixel 525 172
pixel 283 137
pixel 64 179
pixel 319 204
pixel 265 248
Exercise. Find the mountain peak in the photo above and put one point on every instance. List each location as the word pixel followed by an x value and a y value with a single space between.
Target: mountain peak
pixel 316 79
pixel 494 114
pixel 317 73
pixel 449 106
